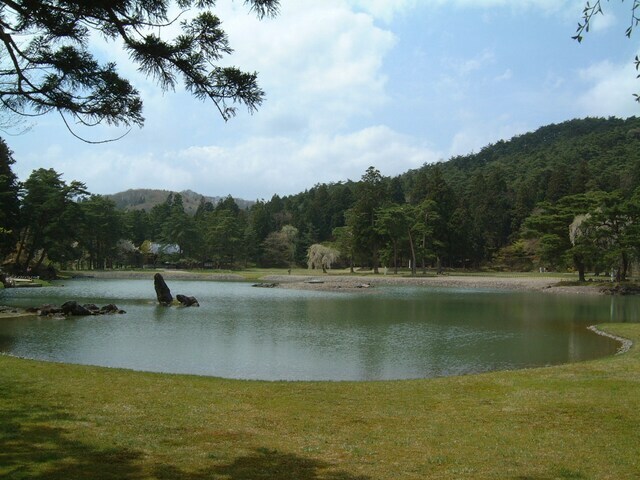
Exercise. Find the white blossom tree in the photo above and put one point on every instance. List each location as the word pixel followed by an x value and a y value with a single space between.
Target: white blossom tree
pixel 320 256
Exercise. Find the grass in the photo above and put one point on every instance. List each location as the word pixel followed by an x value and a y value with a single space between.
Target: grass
pixel 577 421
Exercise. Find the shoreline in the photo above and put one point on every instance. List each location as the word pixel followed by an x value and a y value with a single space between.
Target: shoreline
pixel 347 282
pixel 470 282
pixel 351 283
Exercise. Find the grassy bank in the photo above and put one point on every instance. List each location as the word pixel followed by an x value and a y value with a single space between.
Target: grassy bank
pixel 577 421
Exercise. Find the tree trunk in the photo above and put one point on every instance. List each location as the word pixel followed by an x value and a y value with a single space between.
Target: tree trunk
pixel 413 255
pixel 579 264
pixel 624 267
pixel 21 241
pixel 376 261
pixel 40 260
pixel 30 256
pixel 395 257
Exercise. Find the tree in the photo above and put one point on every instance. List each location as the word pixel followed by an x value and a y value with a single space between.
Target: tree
pixel 442 207
pixel 137 226
pixel 370 196
pixel 394 221
pixel 344 240
pixel 561 232
pixel 101 227
pixel 320 256
pixel 280 247
pixel 50 219
pixel 223 232
pixel 609 230
pixel 179 228
pixel 592 9
pixel 425 219
pixel 8 200
pixel 47 66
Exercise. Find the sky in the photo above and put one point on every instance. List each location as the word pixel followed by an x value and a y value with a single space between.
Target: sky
pixel 350 84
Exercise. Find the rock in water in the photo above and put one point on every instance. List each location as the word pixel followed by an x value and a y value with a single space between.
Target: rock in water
pixel 187 301
pixel 74 309
pixel 162 290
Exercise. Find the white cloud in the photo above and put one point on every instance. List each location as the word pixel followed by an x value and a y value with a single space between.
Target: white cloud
pixel 476 63
pixel 256 168
pixel 477 133
pixel 384 9
pixel 264 166
pixel 504 76
pixel 603 22
pixel 545 5
pixel 609 90
pixel 319 62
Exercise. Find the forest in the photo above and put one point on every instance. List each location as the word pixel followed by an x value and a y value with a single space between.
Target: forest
pixel 564 198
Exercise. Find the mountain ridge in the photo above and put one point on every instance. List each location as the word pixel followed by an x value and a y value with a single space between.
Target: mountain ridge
pixel 147 198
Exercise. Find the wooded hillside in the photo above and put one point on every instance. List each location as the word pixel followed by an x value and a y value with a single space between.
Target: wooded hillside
pixel 146 199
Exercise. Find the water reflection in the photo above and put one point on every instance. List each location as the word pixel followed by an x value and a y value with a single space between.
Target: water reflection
pixel 244 332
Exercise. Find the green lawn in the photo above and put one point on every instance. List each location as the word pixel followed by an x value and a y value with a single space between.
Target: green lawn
pixel 579 421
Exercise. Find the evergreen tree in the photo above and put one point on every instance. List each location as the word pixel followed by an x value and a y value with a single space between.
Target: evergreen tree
pixel 370 196
pixel 8 200
pixel 50 219
pixel 102 227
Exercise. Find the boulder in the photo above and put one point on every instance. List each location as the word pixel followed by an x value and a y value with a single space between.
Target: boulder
pixel 162 290
pixel 265 285
pixel 74 309
pixel 110 310
pixel 92 307
pixel 187 301
pixel 49 309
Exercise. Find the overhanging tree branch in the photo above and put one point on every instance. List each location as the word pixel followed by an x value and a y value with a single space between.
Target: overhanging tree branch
pixel 53 68
pixel 591 10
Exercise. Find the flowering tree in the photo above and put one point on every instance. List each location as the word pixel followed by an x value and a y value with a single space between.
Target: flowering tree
pixel 320 256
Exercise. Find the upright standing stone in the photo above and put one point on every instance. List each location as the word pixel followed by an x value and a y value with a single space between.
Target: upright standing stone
pixel 162 290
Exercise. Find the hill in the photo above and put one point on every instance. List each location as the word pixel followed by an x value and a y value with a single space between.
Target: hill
pixel 146 199
pixel 575 156
pixel 481 200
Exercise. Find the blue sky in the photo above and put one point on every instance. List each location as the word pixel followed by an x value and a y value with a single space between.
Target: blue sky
pixel 354 83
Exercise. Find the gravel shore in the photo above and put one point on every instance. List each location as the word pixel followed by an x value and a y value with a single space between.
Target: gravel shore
pixel 341 282
pixel 514 283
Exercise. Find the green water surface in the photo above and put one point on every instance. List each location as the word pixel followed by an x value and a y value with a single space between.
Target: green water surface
pixel 281 334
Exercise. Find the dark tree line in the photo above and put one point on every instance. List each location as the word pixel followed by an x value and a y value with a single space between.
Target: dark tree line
pixel 565 196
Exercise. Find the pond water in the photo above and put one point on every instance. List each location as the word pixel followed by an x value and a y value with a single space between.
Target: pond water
pixel 280 334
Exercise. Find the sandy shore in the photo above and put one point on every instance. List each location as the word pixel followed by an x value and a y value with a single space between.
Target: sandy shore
pixel 333 281
pixel 513 283
pixel 350 282
pixel 167 274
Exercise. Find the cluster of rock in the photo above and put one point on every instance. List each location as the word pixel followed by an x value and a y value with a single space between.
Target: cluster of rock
pixel 187 301
pixel 622 289
pixel 74 309
pixel 265 285
pixel 163 294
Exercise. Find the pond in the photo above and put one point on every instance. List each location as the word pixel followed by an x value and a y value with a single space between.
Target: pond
pixel 281 334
